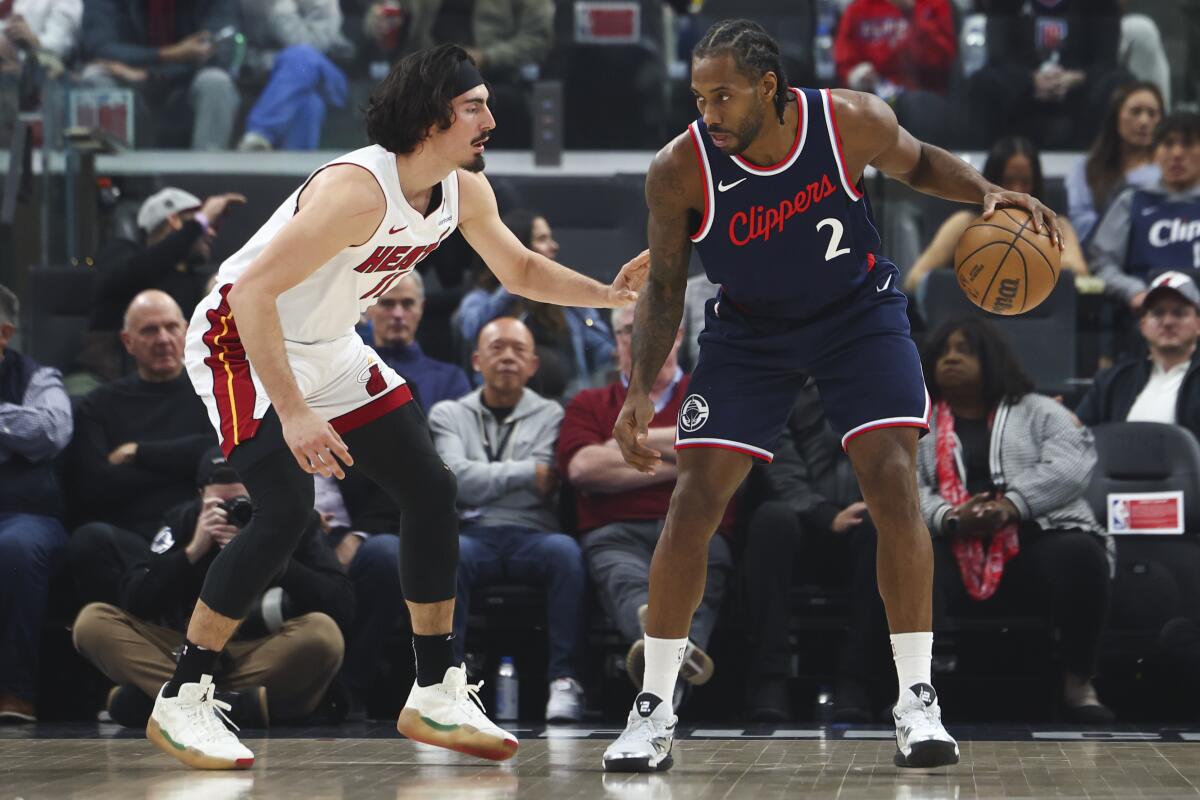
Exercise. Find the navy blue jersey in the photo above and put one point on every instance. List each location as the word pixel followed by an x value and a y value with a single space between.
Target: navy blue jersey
pixel 1164 234
pixel 790 239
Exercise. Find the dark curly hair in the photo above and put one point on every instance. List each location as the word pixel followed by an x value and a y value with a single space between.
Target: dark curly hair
pixel 415 95
pixel 1001 373
pixel 753 50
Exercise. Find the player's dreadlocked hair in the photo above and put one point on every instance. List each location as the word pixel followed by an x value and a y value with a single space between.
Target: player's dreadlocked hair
pixel 753 50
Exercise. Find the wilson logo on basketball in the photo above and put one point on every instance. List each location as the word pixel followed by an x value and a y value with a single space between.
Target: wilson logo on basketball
pixel 1006 294
pixel 760 222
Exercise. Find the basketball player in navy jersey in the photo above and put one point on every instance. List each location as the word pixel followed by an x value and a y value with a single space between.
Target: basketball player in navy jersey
pixel 767 185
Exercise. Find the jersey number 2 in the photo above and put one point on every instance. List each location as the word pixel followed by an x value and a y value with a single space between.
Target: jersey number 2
pixel 835 238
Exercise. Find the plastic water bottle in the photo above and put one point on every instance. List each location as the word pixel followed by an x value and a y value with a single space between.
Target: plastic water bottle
pixel 506 689
pixel 823 42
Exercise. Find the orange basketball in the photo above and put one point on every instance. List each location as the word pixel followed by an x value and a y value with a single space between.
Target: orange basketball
pixel 1004 265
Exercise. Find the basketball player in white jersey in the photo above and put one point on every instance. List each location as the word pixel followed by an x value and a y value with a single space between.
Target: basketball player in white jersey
pixel 293 391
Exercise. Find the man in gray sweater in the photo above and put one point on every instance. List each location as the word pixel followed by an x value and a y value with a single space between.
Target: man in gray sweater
pixel 499 442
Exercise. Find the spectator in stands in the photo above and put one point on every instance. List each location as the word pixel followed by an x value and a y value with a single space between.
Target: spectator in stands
pixel 35 425
pixel 697 294
pixel 179 230
pixel 901 50
pixel 1051 66
pixel 1122 154
pixel 288 650
pixel 508 40
pixel 812 511
pixel 1164 386
pixel 1002 477
pixel 1148 231
pixel 47 28
pixel 499 442
pixel 165 50
pixel 1142 52
pixel 575 345
pixel 1015 164
pixel 137 441
pixel 621 510
pixel 295 44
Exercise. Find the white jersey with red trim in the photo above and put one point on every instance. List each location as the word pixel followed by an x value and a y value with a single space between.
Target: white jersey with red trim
pixel 328 303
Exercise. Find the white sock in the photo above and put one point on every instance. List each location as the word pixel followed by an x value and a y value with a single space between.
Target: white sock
pixel 912 653
pixel 663 658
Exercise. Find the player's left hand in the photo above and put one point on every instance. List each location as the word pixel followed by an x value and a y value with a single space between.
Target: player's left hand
pixel 1044 220
pixel 630 280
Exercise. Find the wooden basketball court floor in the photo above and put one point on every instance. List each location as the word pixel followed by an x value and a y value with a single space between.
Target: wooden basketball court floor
pixel 370 761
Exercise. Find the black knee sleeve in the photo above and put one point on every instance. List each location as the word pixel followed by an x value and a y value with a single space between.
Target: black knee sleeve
pixel 283 497
pixel 396 452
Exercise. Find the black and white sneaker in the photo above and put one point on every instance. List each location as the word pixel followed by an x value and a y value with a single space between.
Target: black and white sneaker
pixel 645 744
pixel 921 741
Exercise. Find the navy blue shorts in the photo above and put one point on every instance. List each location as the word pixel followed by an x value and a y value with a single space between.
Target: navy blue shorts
pixel 751 368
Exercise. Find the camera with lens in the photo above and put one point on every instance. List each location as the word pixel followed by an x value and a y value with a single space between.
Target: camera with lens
pixel 238 511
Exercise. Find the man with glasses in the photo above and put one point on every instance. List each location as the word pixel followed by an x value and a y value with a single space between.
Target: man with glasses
pixel 1163 387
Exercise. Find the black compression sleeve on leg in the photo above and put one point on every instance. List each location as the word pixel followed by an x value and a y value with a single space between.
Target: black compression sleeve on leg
pixel 283 497
pixel 396 452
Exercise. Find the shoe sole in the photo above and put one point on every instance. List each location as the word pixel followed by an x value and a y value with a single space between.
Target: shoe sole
pixel 189 756
pixel 637 764
pixel 16 716
pixel 928 754
pixel 460 738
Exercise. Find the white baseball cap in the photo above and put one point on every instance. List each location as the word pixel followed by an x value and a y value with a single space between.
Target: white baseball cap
pixel 162 204
pixel 1177 282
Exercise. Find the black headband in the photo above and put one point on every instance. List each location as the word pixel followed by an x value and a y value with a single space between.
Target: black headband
pixel 466 78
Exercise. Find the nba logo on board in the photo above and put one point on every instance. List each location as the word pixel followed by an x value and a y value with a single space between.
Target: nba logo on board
pixel 693 413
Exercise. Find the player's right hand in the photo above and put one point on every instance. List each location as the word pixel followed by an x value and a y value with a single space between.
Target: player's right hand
pixel 316 445
pixel 631 430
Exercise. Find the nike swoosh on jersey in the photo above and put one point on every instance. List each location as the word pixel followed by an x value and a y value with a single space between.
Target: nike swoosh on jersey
pixel 397 230
pixel 886 283
pixel 725 187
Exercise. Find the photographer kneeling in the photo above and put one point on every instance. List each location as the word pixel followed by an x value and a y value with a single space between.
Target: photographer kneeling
pixel 284 655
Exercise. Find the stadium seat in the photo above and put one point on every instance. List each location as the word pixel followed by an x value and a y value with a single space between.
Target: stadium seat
pixel 1146 457
pixel 1043 338
pixel 60 305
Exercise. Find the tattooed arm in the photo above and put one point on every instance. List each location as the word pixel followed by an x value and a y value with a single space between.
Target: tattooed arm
pixel 673 189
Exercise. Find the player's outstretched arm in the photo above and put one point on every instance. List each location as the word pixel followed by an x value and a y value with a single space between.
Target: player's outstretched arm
pixel 341 206
pixel 873 136
pixel 672 189
pixel 529 274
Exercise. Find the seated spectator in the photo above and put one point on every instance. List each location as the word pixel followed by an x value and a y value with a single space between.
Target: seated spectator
pixel 1142 54
pixel 35 425
pixel 1015 164
pixel 293 43
pixel 1162 387
pixel 165 51
pixel 812 510
pixel 179 230
pixel 1051 66
pixel 621 510
pixel 137 441
pixel 697 294
pixel 1002 477
pixel 47 28
pixel 1122 155
pixel 281 670
pixel 499 442
pixel 1149 231
pixel 901 50
pixel 507 39
pixel 575 345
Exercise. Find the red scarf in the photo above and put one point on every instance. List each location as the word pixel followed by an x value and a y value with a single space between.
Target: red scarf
pixel 980 570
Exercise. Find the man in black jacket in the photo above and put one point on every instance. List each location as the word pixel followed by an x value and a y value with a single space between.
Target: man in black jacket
pixel 297 643
pixel 134 454
pixel 1164 386
pixel 179 229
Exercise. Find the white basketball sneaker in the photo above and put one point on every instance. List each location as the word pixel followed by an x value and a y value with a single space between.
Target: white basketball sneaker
pixel 645 744
pixel 191 727
pixel 921 741
pixel 450 714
